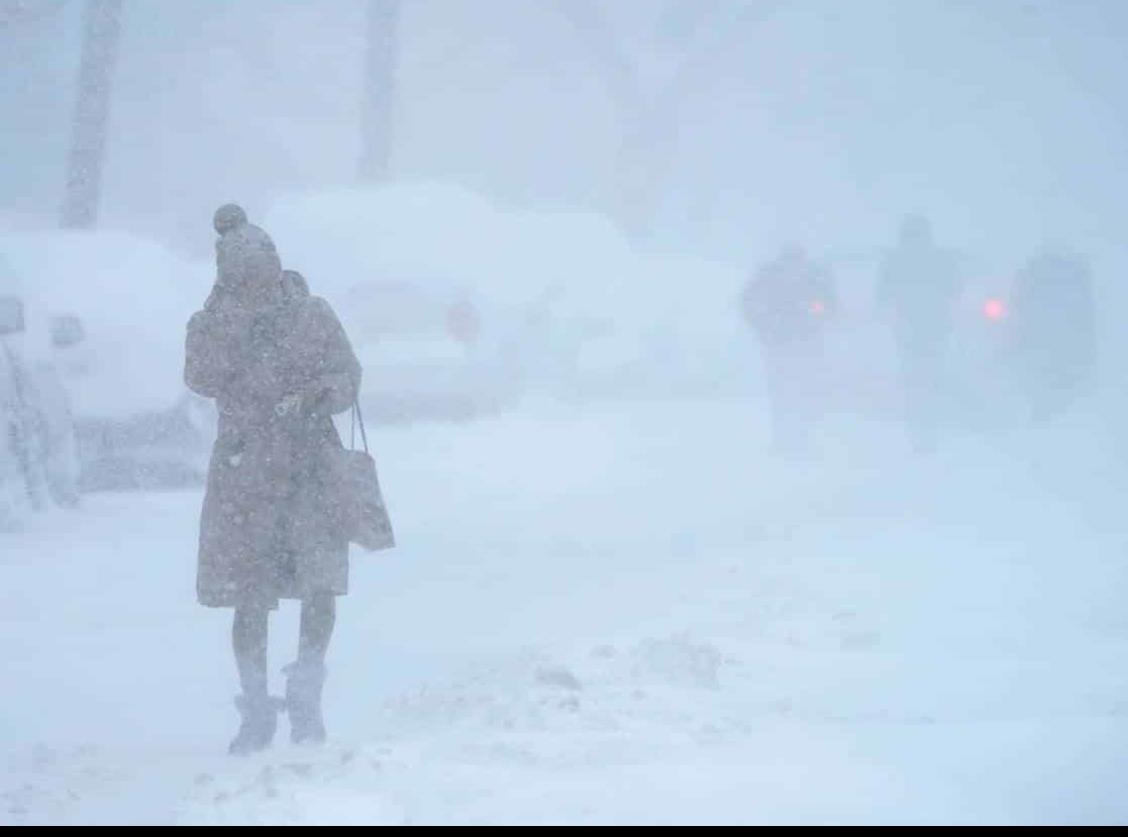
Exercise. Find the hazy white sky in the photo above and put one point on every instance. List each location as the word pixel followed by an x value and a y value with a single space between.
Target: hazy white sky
pixel 814 120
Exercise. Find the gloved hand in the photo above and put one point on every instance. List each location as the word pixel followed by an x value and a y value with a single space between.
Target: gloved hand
pixel 291 404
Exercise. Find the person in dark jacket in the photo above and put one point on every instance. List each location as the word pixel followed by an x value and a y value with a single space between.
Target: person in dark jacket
pixel 788 303
pixel 1054 330
pixel 917 289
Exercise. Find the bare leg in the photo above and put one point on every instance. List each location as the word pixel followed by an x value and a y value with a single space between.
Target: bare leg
pixel 319 616
pixel 248 637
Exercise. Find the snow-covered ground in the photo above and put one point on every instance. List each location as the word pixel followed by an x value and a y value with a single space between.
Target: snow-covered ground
pixel 613 614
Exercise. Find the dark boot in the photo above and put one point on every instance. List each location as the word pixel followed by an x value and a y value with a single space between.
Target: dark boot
pixel 260 719
pixel 304 682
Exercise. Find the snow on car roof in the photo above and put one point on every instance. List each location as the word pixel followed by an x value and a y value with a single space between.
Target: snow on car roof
pixel 133 297
pixel 575 264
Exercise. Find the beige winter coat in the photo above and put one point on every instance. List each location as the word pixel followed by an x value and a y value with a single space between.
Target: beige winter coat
pixel 278 367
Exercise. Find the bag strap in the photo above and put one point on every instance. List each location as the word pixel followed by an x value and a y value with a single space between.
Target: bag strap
pixel 358 417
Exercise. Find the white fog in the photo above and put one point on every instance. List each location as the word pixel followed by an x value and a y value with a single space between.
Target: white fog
pixel 743 383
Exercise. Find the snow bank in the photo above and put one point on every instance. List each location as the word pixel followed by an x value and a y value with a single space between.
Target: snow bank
pixel 657 631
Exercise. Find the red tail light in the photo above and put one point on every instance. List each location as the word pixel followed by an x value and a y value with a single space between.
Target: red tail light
pixel 995 309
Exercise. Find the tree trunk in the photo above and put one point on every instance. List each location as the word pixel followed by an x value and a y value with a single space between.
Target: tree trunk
pixel 651 120
pixel 647 149
pixel 13 12
pixel 379 89
pixel 101 27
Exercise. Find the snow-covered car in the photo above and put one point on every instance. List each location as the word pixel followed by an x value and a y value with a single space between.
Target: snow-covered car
pixel 568 306
pixel 37 462
pixel 423 354
pixel 424 285
pixel 115 307
pixel 983 388
pixel 1025 344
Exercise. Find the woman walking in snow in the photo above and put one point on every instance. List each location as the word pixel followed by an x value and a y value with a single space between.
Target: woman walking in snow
pixel 279 366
